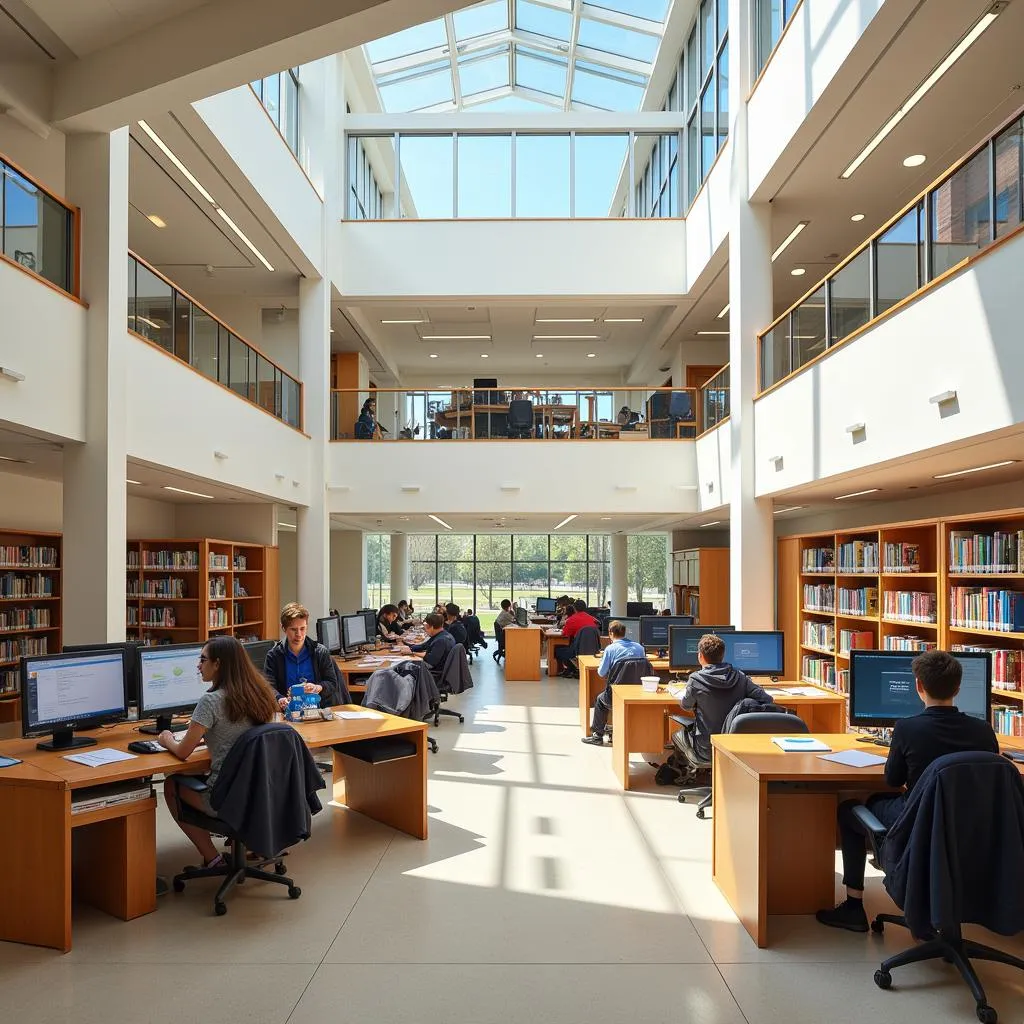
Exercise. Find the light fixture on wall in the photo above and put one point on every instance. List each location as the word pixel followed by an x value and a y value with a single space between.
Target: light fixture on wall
pixel 856 428
pixel 218 454
pixel 942 396
pixel 776 461
pixel 13 375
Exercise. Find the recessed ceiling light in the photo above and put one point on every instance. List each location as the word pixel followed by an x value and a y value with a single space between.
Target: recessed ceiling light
pixel 567 519
pixel 433 355
pixel 716 522
pixel 439 520
pixel 974 469
pixel 623 319
pixel 177 163
pixel 566 337
pixel 591 355
pixel 484 355
pixel 715 334
pixel 725 312
pixel 540 355
pixel 798 271
pixel 194 494
pixel 914 161
pixel 403 321
pixel 566 320
pixel 857 217
pixel 606 519
pixel 156 220
pixel 456 337
pixel 138 483
pixel 790 508
pixel 789 239
pixel 858 494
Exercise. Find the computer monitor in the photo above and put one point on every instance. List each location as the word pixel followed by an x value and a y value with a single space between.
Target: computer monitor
pixel 353 632
pixel 169 683
pixel 882 687
pixel 682 644
pixel 131 661
pixel 599 613
pixel 370 618
pixel 654 629
pixel 328 633
pixel 258 651
pixel 546 605
pixel 64 692
pixel 632 628
pixel 522 617
pixel 634 609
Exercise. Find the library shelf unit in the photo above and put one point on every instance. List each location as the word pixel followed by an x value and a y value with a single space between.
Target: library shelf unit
pixel 700 584
pixel 182 591
pixel 30 607
pixel 954 582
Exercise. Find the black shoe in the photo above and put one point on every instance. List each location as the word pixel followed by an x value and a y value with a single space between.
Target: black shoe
pixel 849 915
pixel 595 739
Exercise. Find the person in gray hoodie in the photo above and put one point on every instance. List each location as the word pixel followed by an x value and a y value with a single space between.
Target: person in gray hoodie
pixel 713 690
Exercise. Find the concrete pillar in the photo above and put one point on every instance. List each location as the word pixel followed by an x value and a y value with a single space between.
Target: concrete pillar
pixel 348 570
pixel 399 567
pixel 95 491
pixel 752 562
pixel 620 573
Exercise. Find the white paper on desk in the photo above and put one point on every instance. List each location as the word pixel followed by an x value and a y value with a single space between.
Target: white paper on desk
pixel 98 758
pixel 805 691
pixel 799 744
pixel 854 758
pixel 357 714
pixel 780 689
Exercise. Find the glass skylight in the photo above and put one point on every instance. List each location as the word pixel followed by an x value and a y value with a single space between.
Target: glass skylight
pixel 544 53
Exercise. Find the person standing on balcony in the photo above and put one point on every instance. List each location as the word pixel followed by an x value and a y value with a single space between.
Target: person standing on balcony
pixel 367 428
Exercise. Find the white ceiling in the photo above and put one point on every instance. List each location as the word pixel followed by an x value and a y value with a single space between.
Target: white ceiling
pixel 518 523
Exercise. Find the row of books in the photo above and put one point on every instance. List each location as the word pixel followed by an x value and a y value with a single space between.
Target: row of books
pixel 218 587
pixel 220 562
pixel 860 601
pixel 1008 721
pixel 819 597
pixel 820 634
pixel 818 670
pixel 818 560
pixel 910 605
pixel 858 556
pixel 986 608
pixel 167 588
pixel 18 585
pixel 908 643
pixel 1007 665
pixel 217 617
pixel 157 618
pixel 9 681
pixel 27 556
pixel 1000 551
pixel 856 639
pixel 164 560
pixel 241 563
pixel 12 650
pixel 900 557
pixel 24 618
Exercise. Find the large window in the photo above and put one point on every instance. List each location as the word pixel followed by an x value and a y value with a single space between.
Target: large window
pixel 771 17
pixel 647 568
pixel 279 95
pixel 378 570
pixel 365 199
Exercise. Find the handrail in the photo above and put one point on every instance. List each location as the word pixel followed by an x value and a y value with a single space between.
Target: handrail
pixel 279 412
pixel 920 202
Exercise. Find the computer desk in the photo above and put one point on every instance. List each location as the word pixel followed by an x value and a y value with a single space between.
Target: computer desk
pixel 114 862
pixel 592 683
pixel 774 821
pixel 640 720
pixel 553 639
pixel 353 669
pixel 522 653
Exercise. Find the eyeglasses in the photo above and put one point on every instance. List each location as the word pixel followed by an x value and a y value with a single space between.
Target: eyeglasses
pixel 203 658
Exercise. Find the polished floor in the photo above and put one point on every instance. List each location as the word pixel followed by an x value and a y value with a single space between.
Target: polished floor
pixel 544 894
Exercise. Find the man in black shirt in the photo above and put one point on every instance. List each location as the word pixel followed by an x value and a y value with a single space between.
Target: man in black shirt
pixel 455 625
pixel 435 649
pixel 916 742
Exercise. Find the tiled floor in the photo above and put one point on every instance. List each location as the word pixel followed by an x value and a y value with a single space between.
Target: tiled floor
pixel 544 894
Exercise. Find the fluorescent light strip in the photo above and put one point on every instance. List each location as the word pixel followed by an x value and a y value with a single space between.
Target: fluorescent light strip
pixel 194 494
pixel 241 234
pixel 919 93
pixel 138 483
pixel 717 334
pixel 144 320
pixel 456 337
pixel 566 320
pixel 177 163
pixel 790 238
pixel 725 312
pixel 439 520
pixel 717 522
pixel 857 494
pixel 566 337
pixel 288 526
pixel 403 321
pixel 791 508
pixel 974 469
pixel 567 519
pixel 623 319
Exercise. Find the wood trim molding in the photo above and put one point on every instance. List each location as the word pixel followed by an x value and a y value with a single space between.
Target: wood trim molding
pixel 4 258
pixel 707 430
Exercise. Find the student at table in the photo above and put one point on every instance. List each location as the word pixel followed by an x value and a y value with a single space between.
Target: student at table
pixel 618 650
pixel 505 618
pixel 454 624
pixel 387 623
pixel 580 619
pixel 917 741
pixel 435 649
pixel 405 616
pixel 298 658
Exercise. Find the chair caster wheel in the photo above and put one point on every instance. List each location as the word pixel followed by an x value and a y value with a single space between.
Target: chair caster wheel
pixel 433 746
pixel 682 798
pixel 294 892
pixel 883 979
pixel 178 885
pixel 220 908
pixel 280 869
pixel 877 926
pixel 987 1014
pixel 700 813
pixel 462 719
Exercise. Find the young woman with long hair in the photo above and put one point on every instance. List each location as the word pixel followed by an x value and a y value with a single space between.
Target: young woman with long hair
pixel 238 698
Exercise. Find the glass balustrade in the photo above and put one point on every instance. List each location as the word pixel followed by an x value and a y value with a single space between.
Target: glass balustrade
pixel 714 399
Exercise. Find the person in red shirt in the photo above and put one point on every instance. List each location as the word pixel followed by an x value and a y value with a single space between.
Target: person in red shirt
pixel 579 619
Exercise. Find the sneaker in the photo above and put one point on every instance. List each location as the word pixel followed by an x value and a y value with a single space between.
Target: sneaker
pixel 595 739
pixel 848 915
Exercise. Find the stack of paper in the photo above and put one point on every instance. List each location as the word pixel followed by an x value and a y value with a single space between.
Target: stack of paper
pixel 799 744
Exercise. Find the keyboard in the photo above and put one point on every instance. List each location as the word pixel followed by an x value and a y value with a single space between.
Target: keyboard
pixel 146 747
pixel 881 743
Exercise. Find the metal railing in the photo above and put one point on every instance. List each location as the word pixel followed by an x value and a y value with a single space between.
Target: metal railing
pixel 714 399
pixel 161 313
pixel 975 204
pixel 527 413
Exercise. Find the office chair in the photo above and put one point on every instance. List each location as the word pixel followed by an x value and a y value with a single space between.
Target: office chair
pixel 952 858
pixel 756 722
pixel 453 678
pixel 588 640
pixel 499 637
pixel 520 418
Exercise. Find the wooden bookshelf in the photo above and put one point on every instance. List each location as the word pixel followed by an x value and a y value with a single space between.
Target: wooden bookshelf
pixel 700 584
pixel 30 607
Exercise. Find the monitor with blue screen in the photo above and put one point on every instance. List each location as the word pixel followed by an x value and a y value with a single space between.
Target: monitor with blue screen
pixel 545 606
pixel 682 644
pixel 632 628
pixel 169 683
pixel 654 629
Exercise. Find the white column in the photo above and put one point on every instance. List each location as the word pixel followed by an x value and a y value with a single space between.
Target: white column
pixel 399 567
pixel 752 560
pixel 95 492
pixel 348 570
pixel 620 573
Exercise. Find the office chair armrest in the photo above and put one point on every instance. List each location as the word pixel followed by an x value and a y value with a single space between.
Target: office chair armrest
pixel 194 782
pixel 875 829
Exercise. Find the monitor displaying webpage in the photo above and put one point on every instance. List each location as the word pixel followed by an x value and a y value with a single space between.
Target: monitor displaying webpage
pixel 884 687
pixel 355 630
pixel 170 677
pixel 760 653
pixel 70 689
pixel 332 634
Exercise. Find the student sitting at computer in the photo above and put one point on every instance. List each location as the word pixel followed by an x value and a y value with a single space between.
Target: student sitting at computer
pixel 666 611
pixel 618 650
pixel 405 616
pixel 474 631
pixel 436 648
pixel 563 609
pixel 387 623
pixel 298 658
pixel 579 619
pixel 238 699
pixel 916 741
pixel 505 617
pixel 454 624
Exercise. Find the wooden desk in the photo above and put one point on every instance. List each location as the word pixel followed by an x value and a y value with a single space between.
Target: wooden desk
pixel 591 684
pixel 553 639
pixel 114 864
pixel 541 620
pixel 640 720
pixel 522 653
pixel 353 669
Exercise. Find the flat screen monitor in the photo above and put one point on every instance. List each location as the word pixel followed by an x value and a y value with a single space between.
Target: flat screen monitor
pixel 132 661
pixel 64 692
pixel 682 644
pixel 632 628
pixel 169 683
pixel 882 687
pixel 353 632
pixel 758 652
pixel 545 606
pixel 522 617
pixel 370 618
pixel 328 633
pixel 485 382
pixel 258 651
pixel 654 629
pixel 599 613
pixel 634 609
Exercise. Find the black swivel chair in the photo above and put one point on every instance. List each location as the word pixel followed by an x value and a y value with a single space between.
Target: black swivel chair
pixel 756 722
pixel 454 677
pixel 520 418
pixel 264 796
pixel 499 636
pixel 953 858
pixel 680 410
pixel 588 640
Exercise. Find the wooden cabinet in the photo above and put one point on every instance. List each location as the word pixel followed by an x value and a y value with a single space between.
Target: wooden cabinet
pixel 700 582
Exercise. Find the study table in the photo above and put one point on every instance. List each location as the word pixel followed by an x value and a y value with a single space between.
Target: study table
pixel 114 862
pixel 522 653
pixel 553 639
pixel 591 684
pixel 774 821
pixel 640 720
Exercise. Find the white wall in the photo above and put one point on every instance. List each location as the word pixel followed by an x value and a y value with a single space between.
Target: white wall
pixel 150 518
pixel 348 570
pixel 42 335
pixel 42 158
pixel 182 431
pixel 254 524
pixel 714 466
pixel 963 335
pixel 288 565
pixel 606 258
pixel 468 476
pixel 707 223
